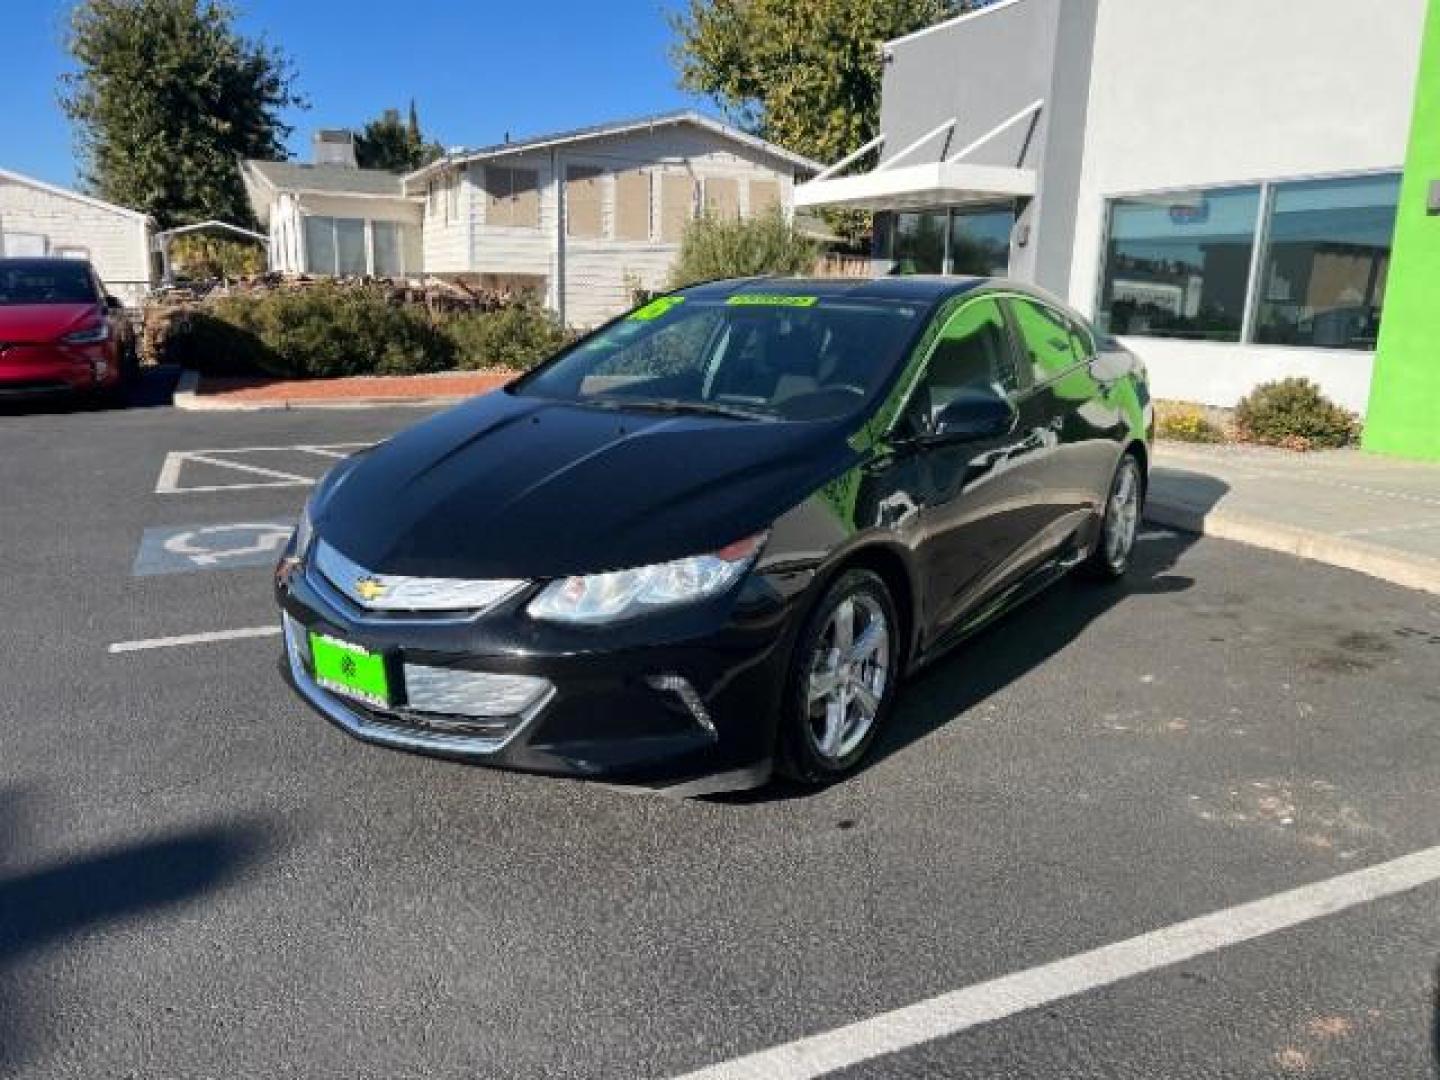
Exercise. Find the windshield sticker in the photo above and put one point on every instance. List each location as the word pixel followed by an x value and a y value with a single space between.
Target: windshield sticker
pixel 771 300
pixel 655 308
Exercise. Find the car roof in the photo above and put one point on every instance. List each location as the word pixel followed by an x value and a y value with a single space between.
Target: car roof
pixel 931 289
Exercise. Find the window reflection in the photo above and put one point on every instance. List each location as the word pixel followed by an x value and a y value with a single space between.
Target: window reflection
pixel 1177 265
pixel 980 241
pixel 919 243
pixel 1326 262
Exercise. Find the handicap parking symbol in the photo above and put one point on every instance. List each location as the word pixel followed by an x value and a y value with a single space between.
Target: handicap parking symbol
pixel 179 548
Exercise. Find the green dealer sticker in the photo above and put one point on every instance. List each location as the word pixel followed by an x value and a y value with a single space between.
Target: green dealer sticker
pixel 655 308
pixel 350 670
pixel 771 300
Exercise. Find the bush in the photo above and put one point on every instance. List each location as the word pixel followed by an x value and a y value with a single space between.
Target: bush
pixel 516 337
pixel 715 247
pixel 1293 413
pixel 203 256
pixel 1185 423
pixel 319 332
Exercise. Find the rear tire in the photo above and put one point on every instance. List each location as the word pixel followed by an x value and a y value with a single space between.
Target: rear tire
pixel 1110 558
pixel 843 677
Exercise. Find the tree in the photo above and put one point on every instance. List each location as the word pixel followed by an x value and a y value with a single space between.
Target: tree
pixel 166 96
pixel 387 143
pixel 804 74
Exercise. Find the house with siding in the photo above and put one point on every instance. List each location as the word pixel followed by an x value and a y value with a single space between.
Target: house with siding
pixel 579 218
pixel 42 219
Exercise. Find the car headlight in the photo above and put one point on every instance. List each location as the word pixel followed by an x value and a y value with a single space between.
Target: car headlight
pixel 91 335
pixel 620 594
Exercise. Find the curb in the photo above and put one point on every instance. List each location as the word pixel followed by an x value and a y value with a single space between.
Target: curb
pixel 1387 564
pixel 187 397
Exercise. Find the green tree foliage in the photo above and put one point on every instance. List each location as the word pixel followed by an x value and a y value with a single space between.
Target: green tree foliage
pixel 802 73
pixel 714 247
pixel 165 96
pixel 399 147
pixel 202 256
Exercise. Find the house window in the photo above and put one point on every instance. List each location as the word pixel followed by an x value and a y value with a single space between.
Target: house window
pixel 1327 256
pixel 23 244
pixel 320 245
pixel 387 238
pixel 1178 264
pixel 764 196
pixel 72 252
pixel 677 205
pixel 632 205
pixel 722 197
pixel 512 197
pixel 583 201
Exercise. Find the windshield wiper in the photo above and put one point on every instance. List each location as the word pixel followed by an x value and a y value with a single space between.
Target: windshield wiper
pixel 681 406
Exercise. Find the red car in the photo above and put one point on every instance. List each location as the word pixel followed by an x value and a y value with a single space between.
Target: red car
pixel 60 332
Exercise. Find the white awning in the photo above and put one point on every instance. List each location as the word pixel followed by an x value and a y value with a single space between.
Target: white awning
pixel 918 186
pixel 950 182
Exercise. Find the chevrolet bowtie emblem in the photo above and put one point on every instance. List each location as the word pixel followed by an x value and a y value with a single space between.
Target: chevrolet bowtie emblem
pixel 367 588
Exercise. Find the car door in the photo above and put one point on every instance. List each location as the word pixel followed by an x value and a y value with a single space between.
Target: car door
pixel 1067 405
pixel 961 506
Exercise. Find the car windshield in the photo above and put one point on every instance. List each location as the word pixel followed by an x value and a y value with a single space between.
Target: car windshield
pixel 46 283
pixel 756 356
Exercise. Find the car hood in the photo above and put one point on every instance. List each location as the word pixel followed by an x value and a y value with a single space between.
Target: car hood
pixel 507 486
pixel 38 323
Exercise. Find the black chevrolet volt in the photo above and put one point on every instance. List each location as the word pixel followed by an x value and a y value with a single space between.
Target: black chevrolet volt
pixel 707 542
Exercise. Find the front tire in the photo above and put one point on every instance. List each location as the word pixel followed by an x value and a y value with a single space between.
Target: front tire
pixel 842 682
pixel 1110 559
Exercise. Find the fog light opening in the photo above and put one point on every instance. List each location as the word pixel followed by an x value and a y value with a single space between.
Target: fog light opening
pixel 681 688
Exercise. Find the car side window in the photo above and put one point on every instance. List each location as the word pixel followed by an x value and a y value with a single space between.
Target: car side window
pixel 1082 341
pixel 1047 338
pixel 972 354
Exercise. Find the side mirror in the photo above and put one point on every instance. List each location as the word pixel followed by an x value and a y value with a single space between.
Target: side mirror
pixel 973 416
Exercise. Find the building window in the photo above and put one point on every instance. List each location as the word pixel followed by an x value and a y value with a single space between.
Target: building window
pixel 722 197
pixel 584 202
pixel 387 242
pixel 918 243
pixel 1178 265
pixel 512 197
pixel 632 205
pixel 980 241
pixel 320 245
pixel 354 246
pixel 1327 255
pixel 677 205
pixel 764 196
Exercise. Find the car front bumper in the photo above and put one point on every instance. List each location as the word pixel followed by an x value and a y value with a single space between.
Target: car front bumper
pixel 692 710
pixel 47 369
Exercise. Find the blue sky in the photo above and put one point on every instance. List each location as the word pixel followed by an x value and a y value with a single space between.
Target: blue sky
pixel 477 68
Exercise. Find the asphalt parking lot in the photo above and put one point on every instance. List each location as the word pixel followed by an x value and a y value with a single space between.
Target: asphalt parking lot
pixel 200 878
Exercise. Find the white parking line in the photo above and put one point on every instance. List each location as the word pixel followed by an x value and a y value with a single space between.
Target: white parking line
pixel 169 481
pixel 194 639
pixel 949 1014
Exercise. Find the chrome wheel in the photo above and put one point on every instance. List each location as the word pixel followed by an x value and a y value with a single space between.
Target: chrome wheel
pixel 849 672
pixel 1122 516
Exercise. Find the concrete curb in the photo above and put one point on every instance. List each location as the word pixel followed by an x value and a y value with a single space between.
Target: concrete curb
pixel 1387 564
pixel 188 398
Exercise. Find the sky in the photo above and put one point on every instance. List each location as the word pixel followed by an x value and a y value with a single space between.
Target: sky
pixel 477 69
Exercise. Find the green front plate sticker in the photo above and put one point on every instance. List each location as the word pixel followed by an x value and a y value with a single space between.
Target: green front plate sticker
pixel 655 308
pixel 771 300
pixel 351 670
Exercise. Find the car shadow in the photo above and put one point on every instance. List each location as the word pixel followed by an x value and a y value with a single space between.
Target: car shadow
pixel 48 905
pixel 1017 643
pixel 152 388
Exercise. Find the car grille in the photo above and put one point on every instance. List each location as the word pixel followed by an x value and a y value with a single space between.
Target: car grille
pixel 399 594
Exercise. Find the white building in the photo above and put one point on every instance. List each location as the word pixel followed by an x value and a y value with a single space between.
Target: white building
pixel 580 218
pixel 1214 181
pixel 330 217
pixel 41 219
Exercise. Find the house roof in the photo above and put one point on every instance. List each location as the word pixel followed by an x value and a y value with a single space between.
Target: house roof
pixel 326 179
pixel 66 193
pixel 618 127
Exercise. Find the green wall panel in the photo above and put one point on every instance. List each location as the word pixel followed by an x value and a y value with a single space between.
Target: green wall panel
pixel 1404 416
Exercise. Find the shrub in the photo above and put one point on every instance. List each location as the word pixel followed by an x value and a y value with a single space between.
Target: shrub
pixel 199 255
pixel 318 332
pixel 1185 423
pixel 1293 413
pixel 715 247
pixel 516 337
